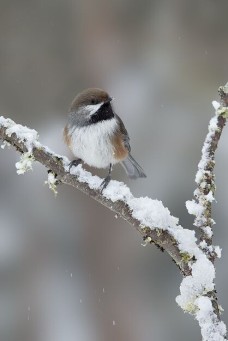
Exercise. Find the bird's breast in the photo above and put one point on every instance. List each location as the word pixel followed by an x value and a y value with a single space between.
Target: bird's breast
pixel 94 143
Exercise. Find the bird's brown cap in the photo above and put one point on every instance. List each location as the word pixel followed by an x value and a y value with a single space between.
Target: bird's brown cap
pixel 89 96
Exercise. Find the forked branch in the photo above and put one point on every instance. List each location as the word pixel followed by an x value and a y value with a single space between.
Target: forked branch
pixel 149 217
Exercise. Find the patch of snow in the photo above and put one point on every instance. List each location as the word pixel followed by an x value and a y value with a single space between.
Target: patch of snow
pixel 216 105
pixel 186 240
pixel 151 213
pixel 198 284
pixel 218 251
pixel 211 328
pixel 210 197
pixel 208 231
pixel 194 208
pixel 27 135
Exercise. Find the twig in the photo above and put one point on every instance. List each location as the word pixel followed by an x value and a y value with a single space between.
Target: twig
pixel 205 178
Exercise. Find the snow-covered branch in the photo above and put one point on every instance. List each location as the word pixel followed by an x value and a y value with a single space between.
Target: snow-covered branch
pixel 205 178
pixel 149 217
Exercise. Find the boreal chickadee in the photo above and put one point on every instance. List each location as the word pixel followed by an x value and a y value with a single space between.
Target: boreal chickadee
pixel 97 136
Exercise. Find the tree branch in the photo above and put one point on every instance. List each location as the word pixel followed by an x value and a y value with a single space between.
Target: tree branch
pixel 149 217
pixel 59 166
pixel 205 178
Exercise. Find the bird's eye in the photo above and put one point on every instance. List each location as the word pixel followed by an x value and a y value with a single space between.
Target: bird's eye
pixel 93 101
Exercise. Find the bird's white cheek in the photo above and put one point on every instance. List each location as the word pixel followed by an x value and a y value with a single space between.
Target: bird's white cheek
pixel 92 109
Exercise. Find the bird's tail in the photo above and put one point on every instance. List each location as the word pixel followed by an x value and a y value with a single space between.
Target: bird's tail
pixel 132 168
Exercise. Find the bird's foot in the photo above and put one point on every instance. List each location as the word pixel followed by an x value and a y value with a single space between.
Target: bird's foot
pixel 105 183
pixel 74 163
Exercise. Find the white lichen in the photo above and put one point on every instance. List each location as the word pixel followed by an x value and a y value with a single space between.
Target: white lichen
pixel 25 163
pixel 5 144
pixel 223 111
pixel 146 241
pixel 52 182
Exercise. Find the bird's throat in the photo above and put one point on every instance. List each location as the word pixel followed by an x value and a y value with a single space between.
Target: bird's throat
pixel 104 113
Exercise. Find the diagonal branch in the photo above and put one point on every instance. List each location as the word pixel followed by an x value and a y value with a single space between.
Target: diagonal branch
pixel 59 166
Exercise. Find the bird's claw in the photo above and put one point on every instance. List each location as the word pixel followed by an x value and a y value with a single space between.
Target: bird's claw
pixel 105 183
pixel 74 163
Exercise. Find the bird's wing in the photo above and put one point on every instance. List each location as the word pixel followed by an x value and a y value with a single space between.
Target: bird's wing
pixel 124 133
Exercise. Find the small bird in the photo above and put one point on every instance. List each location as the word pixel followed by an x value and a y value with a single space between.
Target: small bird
pixel 97 136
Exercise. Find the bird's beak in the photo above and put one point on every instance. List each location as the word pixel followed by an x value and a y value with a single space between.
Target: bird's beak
pixel 108 100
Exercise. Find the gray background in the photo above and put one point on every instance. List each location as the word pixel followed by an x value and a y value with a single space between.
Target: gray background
pixel 68 268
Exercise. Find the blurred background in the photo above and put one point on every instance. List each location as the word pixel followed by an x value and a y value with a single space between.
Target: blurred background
pixel 68 269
